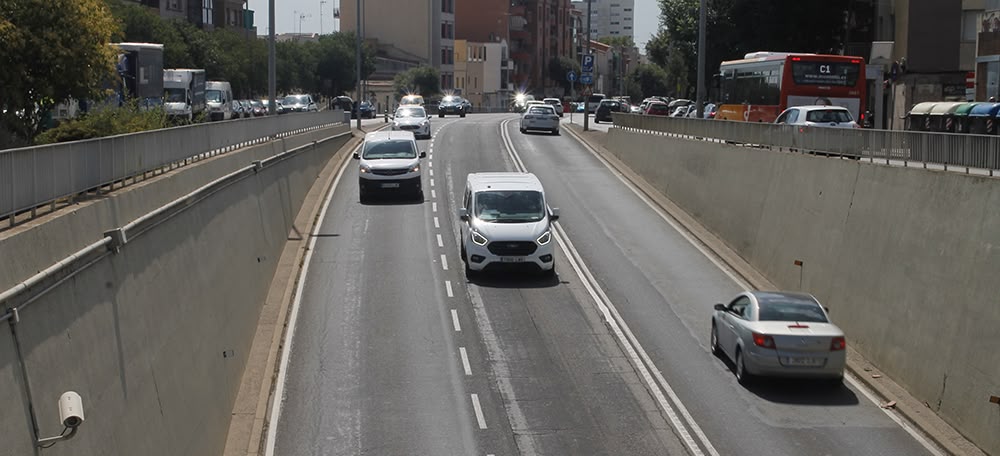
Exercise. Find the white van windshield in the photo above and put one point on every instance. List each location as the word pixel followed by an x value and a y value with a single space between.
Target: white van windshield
pixel 213 95
pixel 521 206
pixel 389 149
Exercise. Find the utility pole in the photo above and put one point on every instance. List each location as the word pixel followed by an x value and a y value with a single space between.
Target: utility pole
pixel 321 3
pixel 272 90
pixel 702 19
pixel 586 93
pixel 357 56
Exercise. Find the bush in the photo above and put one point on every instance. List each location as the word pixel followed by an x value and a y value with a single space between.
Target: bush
pixel 106 122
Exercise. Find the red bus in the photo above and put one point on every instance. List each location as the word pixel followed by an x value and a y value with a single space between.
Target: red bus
pixel 762 84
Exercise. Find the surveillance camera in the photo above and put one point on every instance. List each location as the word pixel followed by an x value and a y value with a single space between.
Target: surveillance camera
pixel 71 409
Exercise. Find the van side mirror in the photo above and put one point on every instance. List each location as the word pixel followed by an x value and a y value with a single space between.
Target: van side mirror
pixel 463 214
pixel 721 308
pixel 357 156
pixel 423 154
pixel 553 214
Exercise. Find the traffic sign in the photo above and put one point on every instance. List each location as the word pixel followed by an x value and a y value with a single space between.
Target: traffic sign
pixel 588 63
pixel 571 76
pixel 587 79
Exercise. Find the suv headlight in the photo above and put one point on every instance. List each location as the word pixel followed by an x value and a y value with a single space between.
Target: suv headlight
pixel 544 238
pixel 415 168
pixel 364 169
pixel 479 239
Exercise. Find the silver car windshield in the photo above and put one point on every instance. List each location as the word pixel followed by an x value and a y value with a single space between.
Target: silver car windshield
pixel 521 206
pixel 389 150
pixel 411 112
pixel 790 309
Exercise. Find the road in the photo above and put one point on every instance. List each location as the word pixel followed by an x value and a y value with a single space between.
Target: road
pixel 394 352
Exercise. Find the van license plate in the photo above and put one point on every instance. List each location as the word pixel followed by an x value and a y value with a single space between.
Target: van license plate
pixel 391 185
pixel 512 259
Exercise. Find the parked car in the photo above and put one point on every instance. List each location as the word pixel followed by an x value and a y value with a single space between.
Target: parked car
pixel 389 161
pixel 412 118
pixel 258 108
pixel 657 109
pixel 505 222
pixel 540 117
pixel 818 116
pixel 247 108
pixel 778 334
pixel 605 109
pixel 299 103
pixel 451 105
pixel 555 103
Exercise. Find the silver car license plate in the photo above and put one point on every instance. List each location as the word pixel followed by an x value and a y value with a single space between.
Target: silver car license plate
pixel 391 185
pixel 512 259
pixel 810 362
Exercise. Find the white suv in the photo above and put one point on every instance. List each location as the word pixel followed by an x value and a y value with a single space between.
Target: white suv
pixel 505 222
pixel 389 162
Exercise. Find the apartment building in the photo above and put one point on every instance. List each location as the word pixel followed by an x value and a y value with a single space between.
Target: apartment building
pixel 610 18
pixel 540 30
pixel 482 74
pixel 422 28
pixel 482 21
pixel 206 14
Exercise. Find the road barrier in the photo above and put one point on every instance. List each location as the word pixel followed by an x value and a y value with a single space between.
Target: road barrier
pixel 32 177
pixel 950 150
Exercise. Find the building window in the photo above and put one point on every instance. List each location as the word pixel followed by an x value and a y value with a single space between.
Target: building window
pixel 969 21
pixel 206 12
pixel 174 5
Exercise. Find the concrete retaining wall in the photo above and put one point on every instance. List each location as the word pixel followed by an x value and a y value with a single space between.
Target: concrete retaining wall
pixel 907 259
pixel 154 338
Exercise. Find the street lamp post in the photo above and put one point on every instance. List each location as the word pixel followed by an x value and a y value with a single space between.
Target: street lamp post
pixel 700 100
pixel 357 56
pixel 272 90
pixel 586 104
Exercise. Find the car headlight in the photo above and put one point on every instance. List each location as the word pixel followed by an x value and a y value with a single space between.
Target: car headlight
pixel 479 239
pixel 364 170
pixel 544 238
pixel 415 169
pixel 424 123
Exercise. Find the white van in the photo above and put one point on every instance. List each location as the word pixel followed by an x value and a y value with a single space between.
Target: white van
pixel 219 98
pixel 506 222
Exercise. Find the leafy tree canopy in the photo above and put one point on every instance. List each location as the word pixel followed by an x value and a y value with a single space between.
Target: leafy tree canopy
pixel 559 66
pixel 424 80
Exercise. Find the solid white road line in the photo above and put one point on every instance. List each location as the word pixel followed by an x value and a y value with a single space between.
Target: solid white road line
pixel 719 263
pixel 440 241
pixel 447 287
pixel 648 371
pixel 465 361
pixel 444 262
pixel 437 223
pixel 279 389
pixel 479 411
pixel 454 320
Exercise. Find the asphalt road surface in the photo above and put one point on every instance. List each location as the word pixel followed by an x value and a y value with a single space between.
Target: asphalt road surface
pixel 395 353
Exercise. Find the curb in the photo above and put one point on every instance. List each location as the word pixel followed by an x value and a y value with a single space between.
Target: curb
pixel 916 413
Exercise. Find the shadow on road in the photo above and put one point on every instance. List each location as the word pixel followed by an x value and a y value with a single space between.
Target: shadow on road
pixel 514 278
pixel 798 391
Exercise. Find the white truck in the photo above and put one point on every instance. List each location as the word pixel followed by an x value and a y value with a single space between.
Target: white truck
pixel 184 93
pixel 219 98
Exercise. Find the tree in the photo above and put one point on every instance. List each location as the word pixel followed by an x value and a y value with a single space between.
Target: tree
pixel 53 50
pixel 650 80
pixel 558 67
pixel 337 68
pixel 621 41
pixel 424 80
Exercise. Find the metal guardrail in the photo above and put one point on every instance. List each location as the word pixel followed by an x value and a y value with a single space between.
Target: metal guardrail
pixel 32 177
pixel 979 153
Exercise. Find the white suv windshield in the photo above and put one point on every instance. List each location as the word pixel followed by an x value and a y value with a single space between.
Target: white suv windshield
pixel 389 150
pixel 411 112
pixel 519 206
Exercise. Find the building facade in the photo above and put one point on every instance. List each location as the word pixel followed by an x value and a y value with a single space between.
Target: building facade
pixel 482 21
pixel 610 18
pixel 483 72
pixel 422 28
pixel 206 14
pixel 540 31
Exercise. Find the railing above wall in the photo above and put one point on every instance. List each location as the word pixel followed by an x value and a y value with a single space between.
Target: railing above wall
pixel 33 177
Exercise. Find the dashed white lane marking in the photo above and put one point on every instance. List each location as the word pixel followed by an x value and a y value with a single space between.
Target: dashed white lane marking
pixel 465 361
pixel 444 262
pixel 434 193
pixel 434 207
pixel 454 320
pixel 432 172
pixel 430 163
pixel 437 223
pixel 432 182
pixel 479 411
pixel 440 241
pixel 447 286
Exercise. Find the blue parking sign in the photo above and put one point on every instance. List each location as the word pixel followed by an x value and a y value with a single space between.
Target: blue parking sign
pixel 588 63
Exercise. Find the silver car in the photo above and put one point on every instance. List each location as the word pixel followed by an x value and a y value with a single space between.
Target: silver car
pixel 389 161
pixel 778 334
pixel 540 117
pixel 413 119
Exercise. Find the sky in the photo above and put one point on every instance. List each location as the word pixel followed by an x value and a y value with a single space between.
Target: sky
pixel 288 17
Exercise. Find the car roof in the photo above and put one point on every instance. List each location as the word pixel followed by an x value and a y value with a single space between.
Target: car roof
pixel 818 107
pixel 477 182
pixel 389 135
pixel 550 98
pixel 772 295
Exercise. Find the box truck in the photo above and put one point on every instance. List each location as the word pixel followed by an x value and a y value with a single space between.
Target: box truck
pixel 184 93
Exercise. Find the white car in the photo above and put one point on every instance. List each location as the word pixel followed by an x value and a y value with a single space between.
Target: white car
pixel 555 103
pixel 389 161
pixel 540 117
pixel 505 222
pixel 413 119
pixel 778 334
pixel 818 116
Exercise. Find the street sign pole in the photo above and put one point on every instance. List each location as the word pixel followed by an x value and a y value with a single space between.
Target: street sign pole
pixel 586 115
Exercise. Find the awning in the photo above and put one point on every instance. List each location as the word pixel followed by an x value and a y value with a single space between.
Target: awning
pixel 946 108
pixel 985 110
pixel 922 109
pixel 964 109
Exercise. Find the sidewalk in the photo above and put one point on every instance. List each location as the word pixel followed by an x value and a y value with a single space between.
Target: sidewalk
pixel 870 380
